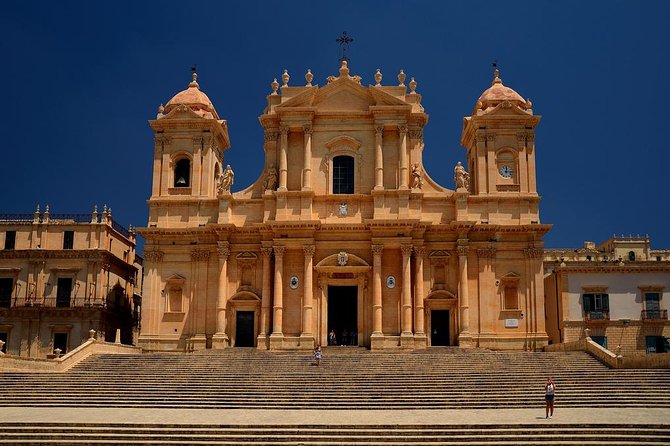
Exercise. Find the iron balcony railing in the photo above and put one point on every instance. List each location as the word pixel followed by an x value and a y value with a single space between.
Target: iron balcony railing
pixel 597 316
pixel 63 302
pixel 654 315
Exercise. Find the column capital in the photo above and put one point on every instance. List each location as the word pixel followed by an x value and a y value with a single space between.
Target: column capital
pixel 377 249
pixel 419 251
pixel 307 128
pixel 416 133
pixel 271 135
pixel 266 251
pixel 309 250
pixel 486 252
pixel 279 250
pixel 406 250
pixel 463 250
pixel 379 130
pixel 402 128
pixel 200 255
pixel 533 252
pixel 154 256
pixel 223 250
pixel 284 130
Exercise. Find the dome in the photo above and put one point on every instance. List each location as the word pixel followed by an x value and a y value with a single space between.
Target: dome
pixel 498 93
pixel 195 99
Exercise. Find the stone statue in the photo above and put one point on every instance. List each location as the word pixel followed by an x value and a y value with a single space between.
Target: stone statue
pixel 417 177
pixel 271 178
pixel 461 177
pixel 225 180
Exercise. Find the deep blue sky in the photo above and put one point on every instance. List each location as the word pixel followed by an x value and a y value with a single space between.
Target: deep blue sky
pixel 81 79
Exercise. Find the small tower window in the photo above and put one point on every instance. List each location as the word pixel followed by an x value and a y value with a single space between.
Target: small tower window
pixel 182 173
pixel 631 256
pixel 343 174
pixel 68 239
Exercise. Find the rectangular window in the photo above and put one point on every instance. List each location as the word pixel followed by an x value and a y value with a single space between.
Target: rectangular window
pixel 511 297
pixel 600 340
pixel 657 344
pixel 68 239
pixel 6 286
pixel 3 337
pixel 343 175
pixel 596 305
pixel 64 292
pixel 10 239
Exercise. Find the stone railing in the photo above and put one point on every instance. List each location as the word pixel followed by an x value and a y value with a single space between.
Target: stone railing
pixel 615 361
pixel 62 364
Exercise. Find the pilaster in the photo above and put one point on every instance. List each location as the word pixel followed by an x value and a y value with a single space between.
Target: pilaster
pixel 220 338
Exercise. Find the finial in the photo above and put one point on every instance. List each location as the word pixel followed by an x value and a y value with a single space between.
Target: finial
pixel 344 40
pixel 194 82
pixel 37 209
pixel 308 77
pixel 412 86
pixel 104 209
pixel 275 86
pixel 401 78
pixel 95 208
pixel 161 109
pixel 46 210
pixel 529 103
pixel 284 78
pixel 378 78
pixel 496 73
pixel 344 69
pixel 109 211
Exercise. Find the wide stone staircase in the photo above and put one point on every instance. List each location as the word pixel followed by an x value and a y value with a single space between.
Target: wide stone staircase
pixel 347 379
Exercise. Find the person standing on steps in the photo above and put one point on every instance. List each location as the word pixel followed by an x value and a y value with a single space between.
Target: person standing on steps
pixel 332 339
pixel 317 355
pixel 549 391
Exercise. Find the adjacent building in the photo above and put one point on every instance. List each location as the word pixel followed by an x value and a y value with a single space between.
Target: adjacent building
pixel 619 290
pixel 62 275
pixel 344 230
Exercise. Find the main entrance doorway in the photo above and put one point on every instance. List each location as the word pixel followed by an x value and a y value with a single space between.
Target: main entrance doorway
pixel 244 329
pixel 439 327
pixel 343 314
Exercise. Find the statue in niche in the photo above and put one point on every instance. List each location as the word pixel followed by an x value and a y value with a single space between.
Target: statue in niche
pixel 225 180
pixel 271 178
pixel 461 177
pixel 417 177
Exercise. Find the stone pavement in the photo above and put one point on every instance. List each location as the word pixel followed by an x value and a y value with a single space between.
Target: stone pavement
pixel 626 416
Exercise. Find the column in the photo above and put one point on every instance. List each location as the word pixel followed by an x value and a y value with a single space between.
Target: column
pixel 530 153
pixel 481 172
pixel 379 157
pixel 307 158
pixel 464 336
pixel 402 156
pixel 220 338
pixel 523 165
pixel 265 298
pixel 283 147
pixel 419 252
pixel 307 334
pixel 278 306
pixel 196 166
pixel 406 315
pixel 377 290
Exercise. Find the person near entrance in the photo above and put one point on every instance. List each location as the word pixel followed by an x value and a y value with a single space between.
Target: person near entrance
pixel 353 337
pixel 345 337
pixel 549 390
pixel 332 339
pixel 317 355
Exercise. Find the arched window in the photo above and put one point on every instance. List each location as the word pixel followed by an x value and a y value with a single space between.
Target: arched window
pixel 343 174
pixel 182 173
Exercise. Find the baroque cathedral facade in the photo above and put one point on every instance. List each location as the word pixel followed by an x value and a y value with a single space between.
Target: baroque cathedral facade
pixel 344 231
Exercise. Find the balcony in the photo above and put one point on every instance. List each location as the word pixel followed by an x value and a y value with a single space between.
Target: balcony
pixel 54 302
pixel 654 315
pixel 597 316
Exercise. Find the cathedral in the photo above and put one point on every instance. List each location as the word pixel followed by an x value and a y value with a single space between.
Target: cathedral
pixel 344 238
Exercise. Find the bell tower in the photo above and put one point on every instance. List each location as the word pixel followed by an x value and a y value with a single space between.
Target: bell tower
pixel 500 140
pixel 189 142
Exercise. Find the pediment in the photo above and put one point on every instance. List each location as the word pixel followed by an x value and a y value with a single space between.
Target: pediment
pixel 304 99
pixel 342 261
pixel 343 94
pixel 506 108
pixel 176 279
pixel 511 276
pixel 181 112
pixel 383 98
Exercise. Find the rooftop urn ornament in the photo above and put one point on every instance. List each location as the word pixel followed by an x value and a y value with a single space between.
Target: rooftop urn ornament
pixel 344 69
pixel 496 73
pixel 161 110
pixel 378 78
pixel 285 78
pixel 194 82
pixel 401 78
pixel 275 86
pixel 308 78
pixel 412 86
